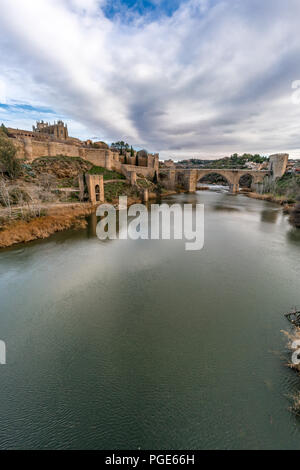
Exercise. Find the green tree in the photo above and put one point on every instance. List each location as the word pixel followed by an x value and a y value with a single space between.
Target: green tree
pixel 9 163
pixel 3 129
pixel 121 146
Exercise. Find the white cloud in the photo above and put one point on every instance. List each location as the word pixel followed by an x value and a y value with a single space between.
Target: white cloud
pixel 2 91
pixel 212 79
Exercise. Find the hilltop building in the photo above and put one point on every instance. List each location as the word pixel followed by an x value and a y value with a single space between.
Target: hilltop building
pixel 59 129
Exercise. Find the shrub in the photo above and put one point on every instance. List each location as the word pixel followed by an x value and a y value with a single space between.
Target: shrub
pixel 3 129
pixel 19 197
pixel 295 215
pixel 9 163
pixel 289 186
pixel 107 174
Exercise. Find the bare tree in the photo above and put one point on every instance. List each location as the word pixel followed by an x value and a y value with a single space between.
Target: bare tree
pixel 4 195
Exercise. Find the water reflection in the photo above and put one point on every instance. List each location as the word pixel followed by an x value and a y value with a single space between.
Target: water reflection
pixel 293 236
pixel 123 343
pixel 222 208
pixel 92 225
pixel 269 216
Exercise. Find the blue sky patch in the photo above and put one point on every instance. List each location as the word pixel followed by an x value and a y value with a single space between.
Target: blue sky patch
pixel 153 9
pixel 24 115
pixel 26 107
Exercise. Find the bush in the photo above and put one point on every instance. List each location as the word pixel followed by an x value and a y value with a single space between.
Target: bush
pixel 107 174
pixel 289 186
pixel 11 196
pixel 115 190
pixel 295 215
pixel 9 164
pixel 19 197
pixel 3 129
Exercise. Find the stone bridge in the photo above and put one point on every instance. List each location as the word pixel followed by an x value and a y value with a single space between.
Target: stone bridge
pixel 180 178
pixel 188 179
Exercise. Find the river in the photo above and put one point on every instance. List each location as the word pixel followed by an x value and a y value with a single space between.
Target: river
pixel 141 344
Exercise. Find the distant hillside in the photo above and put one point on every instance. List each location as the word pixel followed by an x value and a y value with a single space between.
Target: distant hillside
pixel 235 161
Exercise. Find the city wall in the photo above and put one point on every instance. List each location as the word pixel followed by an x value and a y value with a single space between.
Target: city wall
pixel 29 149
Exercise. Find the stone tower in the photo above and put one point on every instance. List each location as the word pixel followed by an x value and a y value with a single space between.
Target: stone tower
pixel 278 164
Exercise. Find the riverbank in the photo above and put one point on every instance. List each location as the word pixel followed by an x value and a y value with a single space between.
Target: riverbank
pixel 59 217
pixel 55 218
pixel 282 200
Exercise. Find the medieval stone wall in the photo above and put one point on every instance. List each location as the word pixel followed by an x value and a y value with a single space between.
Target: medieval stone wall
pixel 56 148
pixel 140 170
pixel 38 149
pixel 95 156
pixel 29 148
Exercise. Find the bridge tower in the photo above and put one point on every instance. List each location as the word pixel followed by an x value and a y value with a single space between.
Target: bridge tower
pixel 278 165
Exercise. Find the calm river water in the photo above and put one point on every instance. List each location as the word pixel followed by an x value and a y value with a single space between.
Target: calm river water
pixel 136 344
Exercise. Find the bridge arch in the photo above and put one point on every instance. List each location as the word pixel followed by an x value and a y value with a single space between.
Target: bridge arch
pixel 229 175
pixel 188 178
pixel 219 174
pixel 246 180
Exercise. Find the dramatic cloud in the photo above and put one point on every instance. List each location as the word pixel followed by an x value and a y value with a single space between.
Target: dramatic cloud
pixel 211 78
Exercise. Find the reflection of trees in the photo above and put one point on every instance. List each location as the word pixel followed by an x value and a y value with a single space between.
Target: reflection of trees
pixel 221 208
pixel 293 236
pixel 269 216
pixel 92 225
pixel 295 215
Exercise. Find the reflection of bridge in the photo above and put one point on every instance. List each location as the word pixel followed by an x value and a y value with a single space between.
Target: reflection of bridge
pixel 172 178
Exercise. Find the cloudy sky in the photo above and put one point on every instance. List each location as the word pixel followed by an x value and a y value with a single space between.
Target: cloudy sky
pixel 186 78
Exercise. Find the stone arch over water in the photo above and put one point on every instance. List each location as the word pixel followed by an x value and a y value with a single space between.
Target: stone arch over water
pixel 246 180
pixel 223 179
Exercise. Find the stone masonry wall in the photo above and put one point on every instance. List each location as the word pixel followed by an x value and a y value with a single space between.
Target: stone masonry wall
pixel 30 149
pixel 278 164
pixel 95 156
